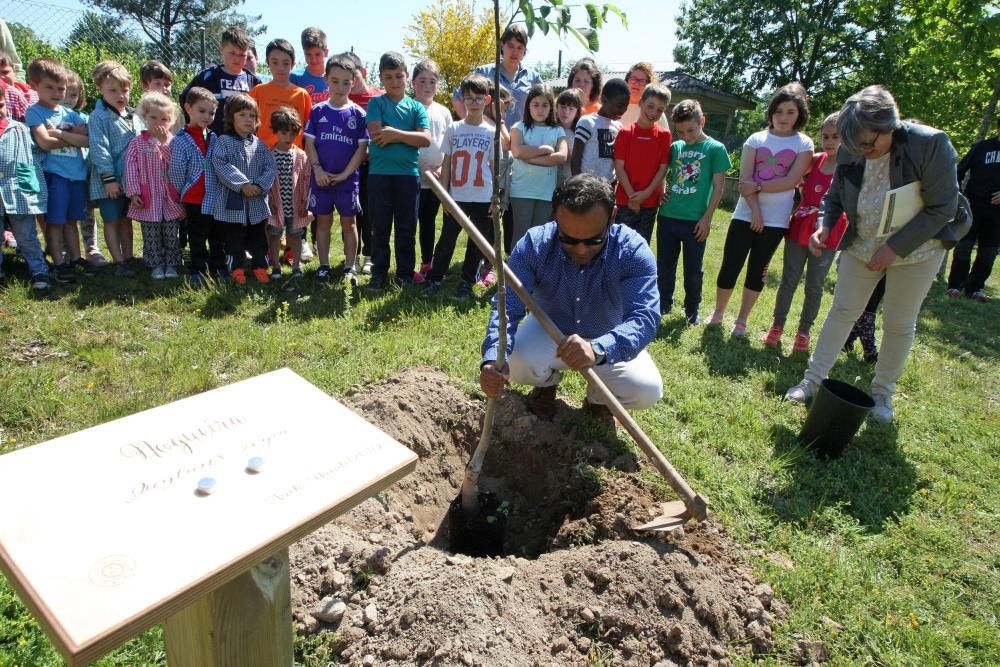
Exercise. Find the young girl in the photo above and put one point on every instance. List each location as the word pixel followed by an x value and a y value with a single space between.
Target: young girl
pixel 236 187
pixel 569 108
pixel 154 201
pixel 538 145
pixel 586 77
pixel 771 167
pixel 290 192
pixel 76 99
pixel 797 253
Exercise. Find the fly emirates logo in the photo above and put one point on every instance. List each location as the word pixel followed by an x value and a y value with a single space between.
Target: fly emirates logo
pixel 335 135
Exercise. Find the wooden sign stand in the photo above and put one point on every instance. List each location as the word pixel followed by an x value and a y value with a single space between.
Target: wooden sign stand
pixel 149 545
pixel 247 621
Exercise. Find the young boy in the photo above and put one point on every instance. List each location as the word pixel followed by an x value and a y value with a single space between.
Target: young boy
pixel 312 77
pixel 230 77
pixel 112 125
pixel 594 140
pixel 188 153
pixel 280 91
pixel 17 101
pixel 361 94
pixel 398 127
pixel 76 99
pixel 290 192
pixel 156 77
pixel 698 166
pixel 467 171
pixel 22 193
pixel 336 142
pixel 642 153
pixel 60 134
pixel 9 75
pixel 426 74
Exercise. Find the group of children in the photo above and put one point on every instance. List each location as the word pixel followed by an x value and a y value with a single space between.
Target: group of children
pixel 255 164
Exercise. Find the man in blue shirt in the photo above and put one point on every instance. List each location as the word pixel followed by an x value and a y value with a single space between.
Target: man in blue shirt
pixel 597 281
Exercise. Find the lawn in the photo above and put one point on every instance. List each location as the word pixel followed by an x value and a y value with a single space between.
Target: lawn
pixel 890 554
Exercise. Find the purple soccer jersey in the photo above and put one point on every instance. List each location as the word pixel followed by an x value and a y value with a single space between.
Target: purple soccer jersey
pixel 338 131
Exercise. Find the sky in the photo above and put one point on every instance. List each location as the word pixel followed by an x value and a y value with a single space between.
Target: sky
pixel 373 27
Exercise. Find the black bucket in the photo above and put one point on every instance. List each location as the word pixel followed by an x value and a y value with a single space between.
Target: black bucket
pixel 836 414
pixel 480 534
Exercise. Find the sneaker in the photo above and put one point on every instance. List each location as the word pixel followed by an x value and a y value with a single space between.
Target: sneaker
pixel 418 278
pixel 882 412
pixel 488 280
pixel 431 289
pixel 261 275
pixel 366 266
pixel 171 273
pixel 351 278
pixel 123 270
pixel 64 274
pixel 296 274
pixel 426 267
pixel 542 401
pixel 464 292
pixel 953 293
pixel 96 258
pixel 773 337
pixel 716 320
pixel 159 273
pixel 802 392
pixel 979 296
pixel 238 276
pixel 801 343
pixel 307 253
pixel 376 284
pixel 323 274
pixel 40 281
pixel 739 329
pixel 601 414
pixel 84 267
pixel 196 279
pixel 276 273
pixel 9 240
pixel 693 319
pixel 287 256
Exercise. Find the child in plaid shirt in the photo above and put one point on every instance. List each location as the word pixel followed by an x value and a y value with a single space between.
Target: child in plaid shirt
pixel 154 201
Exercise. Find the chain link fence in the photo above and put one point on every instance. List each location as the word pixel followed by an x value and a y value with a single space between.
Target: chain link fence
pixel 81 39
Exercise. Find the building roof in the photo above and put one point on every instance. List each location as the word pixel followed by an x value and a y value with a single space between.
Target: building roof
pixel 679 83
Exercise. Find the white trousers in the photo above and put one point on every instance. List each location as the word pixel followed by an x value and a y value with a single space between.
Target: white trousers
pixel 636 384
pixel 906 286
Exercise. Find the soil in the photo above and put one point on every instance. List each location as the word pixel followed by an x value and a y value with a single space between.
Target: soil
pixel 576 585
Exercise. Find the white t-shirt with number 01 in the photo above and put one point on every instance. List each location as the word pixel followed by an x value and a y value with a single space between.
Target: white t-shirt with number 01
pixel 773 158
pixel 470 151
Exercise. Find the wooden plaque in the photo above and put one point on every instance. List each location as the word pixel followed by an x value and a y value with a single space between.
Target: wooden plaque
pixel 106 534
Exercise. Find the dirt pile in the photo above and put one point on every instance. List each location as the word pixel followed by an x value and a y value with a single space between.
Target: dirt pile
pixel 577 586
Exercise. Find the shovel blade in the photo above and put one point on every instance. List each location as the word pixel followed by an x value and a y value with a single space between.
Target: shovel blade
pixel 672 515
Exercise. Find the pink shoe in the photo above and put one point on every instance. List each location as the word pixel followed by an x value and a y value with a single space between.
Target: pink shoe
pixel 426 267
pixel 773 337
pixel 8 239
pixel 801 343
pixel 418 278
pixel 489 280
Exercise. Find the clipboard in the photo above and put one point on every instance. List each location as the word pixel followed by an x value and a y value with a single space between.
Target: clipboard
pixel 900 206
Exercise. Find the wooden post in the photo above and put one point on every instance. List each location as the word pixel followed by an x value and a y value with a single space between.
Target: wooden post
pixel 244 623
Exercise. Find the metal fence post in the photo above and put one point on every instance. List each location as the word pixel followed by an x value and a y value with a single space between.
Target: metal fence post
pixel 204 63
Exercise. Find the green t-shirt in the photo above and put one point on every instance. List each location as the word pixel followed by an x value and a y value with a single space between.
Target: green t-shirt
pixel 395 159
pixel 691 171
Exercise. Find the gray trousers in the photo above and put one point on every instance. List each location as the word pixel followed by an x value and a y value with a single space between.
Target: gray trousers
pixel 798 258
pixel 528 213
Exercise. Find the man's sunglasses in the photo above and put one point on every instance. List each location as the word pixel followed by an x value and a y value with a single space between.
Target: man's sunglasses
pixel 566 239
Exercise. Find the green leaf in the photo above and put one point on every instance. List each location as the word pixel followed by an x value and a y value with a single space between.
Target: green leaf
pixel 593 15
pixel 617 12
pixel 529 17
pixel 544 11
pixel 544 26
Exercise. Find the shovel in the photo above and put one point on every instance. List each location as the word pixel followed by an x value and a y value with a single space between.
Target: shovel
pixel 673 514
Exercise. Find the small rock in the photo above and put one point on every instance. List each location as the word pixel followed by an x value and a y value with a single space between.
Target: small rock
pixel 347 551
pixel 368 660
pixel 375 538
pixel 587 615
pixel 357 598
pixel 329 610
pixel 764 593
pixel 583 644
pixel 319 549
pixel 328 564
pixel 467 659
pixel 381 560
pixel 407 617
pixel 811 652
pixel 603 576
pixel 455 559
pixel 506 574
pixel 397 651
pixel 370 614
pixel 826 620
pixel 309 625
pixel 781 560
pixel 560 645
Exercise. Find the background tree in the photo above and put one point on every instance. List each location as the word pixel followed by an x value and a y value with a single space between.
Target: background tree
pixel 105 33
pixel 163 21
pixel 455 36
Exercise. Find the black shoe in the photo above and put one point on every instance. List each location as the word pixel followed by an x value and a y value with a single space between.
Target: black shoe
pixel 123 270
pixel 350 278
pixel 464 292
pixel 64 274
pixel 376 284
pixel 196 279
pixel 323 274
pixel 84 267
pixel 431 289
pixel 693 319
pixel 40 282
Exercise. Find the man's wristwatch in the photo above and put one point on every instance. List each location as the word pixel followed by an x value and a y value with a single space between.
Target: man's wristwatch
pixel 600 356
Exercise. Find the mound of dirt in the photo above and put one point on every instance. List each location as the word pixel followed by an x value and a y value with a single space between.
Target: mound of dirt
pixel 577 586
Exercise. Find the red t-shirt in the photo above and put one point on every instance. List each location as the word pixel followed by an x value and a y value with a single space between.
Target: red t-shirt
pixel 644 151
pixel 196 193
pixel 805 219
pixel 362 99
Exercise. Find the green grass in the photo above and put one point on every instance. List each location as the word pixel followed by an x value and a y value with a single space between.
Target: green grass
pixel 896 542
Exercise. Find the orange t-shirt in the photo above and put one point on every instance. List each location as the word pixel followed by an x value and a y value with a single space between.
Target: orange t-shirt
pixel 593 107
pixel 269 96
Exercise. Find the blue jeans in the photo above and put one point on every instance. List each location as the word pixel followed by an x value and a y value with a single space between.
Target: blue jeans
pixel 26 233
pixel 393 199
pixel 671 235
pixel 641 222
